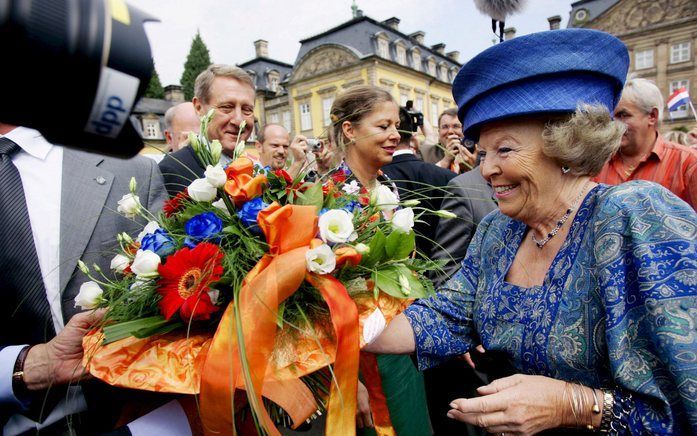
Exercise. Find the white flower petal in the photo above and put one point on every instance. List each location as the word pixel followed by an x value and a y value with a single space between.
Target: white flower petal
pixel 373 326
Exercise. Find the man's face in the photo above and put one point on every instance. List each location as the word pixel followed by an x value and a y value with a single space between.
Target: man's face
pixel 234 103
pixel 640 125
pixel 447 127
pixel 273 152
pixel 185 120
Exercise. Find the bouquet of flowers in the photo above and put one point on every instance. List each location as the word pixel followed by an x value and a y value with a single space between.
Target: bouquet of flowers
pixel 254 288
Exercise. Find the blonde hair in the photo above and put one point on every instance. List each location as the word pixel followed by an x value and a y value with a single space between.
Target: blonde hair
pixel 352 105
pixel 203 83
pixel 585 141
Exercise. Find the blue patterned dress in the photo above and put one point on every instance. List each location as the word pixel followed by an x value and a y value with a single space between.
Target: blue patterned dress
pixel 617 309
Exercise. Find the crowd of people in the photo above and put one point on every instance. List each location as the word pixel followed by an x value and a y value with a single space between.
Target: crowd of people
pixel 568 292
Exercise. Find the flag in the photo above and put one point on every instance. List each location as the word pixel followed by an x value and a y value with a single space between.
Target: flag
pixel 678 98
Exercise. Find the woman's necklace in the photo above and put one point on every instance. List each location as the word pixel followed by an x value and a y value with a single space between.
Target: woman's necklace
pixel 541 243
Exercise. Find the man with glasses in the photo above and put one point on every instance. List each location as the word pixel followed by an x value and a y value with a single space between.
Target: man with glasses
pixel 231 92
pixel 449 152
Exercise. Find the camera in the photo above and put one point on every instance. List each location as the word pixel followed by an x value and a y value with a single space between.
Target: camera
pixel 468 144
pixel 74 70
pixel 415 118
pixel 315 145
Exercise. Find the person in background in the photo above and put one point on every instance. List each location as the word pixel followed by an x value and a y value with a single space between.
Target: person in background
pixel 272 145
pixel 584 289
pixel 643 153
pixel 677 137
pixel 231 92
pixel 179 121
pixel 449 153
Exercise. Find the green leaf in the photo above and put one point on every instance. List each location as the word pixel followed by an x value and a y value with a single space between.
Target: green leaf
pixel 157 330
pixel 387 280
pixel 312 196
pixel 279 315
pixel 122 330
pixel 377 250
pixel 399 245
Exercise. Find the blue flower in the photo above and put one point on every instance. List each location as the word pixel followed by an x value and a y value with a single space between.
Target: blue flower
pixel 249 212
pixel 204 226
pixel 159 242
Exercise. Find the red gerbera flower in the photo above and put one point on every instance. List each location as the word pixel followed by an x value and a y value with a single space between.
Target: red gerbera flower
pixel 174 204
pixel 185 279
pixel 283 174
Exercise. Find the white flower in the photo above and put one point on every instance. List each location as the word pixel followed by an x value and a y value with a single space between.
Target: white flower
pixel 373 326
pixel 320 260
pixel 129 205
pixel 362 248
pixel 215 175
pixel 445 214
pixel 220 204
pixel 145 263
pixel 201 190
pixel 351 188
pixel 411 203
pixel 132 185
pixel 139 284
pixel 149 228
pixel 384 198
pixel 336 225
pixel 81 265
pixel 89 296
pixel 404 284
pixel 119 263
pixel 216 150
pixel 403 220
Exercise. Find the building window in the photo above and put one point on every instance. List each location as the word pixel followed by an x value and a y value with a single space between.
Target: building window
pixel 383 48
pixel 419 104
pixel 326 110
pixel 273 83
pixel 416 60
pixel 401 55
pixel 305 117
pixel 434 113
pixel 443 73
pixel 681 111
pixel 273 118
pixel 679 52
pixel 286 120
pixel 432 67
pixel 643 59
pixel 151 129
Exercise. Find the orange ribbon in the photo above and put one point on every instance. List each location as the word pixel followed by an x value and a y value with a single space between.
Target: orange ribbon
pixel 377 399
pixel 241 186
pixel 289 231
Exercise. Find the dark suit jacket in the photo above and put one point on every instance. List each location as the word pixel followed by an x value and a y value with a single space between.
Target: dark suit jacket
pixel 91 187
pixel 179 169
pixel 470 198
pixel 421 181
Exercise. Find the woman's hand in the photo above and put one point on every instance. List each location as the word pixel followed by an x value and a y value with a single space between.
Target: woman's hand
pixel 363 415
pixel 519 404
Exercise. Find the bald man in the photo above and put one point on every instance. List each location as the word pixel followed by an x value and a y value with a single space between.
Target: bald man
pixel 179 121
pixel 272 144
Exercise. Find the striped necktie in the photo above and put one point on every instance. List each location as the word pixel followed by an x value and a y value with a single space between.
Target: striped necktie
pixel 25 309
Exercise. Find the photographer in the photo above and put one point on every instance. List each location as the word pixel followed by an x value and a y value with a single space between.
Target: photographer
pixel 449 153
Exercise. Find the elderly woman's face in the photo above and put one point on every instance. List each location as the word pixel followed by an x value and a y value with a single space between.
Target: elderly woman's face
pixel 522 177
pixel 376 136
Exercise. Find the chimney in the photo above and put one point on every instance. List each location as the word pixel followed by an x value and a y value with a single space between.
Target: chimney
pixel 262 48
pixel 509 33
pixel 359 13
pixel 439 48
pixel 418 37
pixel 174 94
pixel 392 23
pixel 554 22
pixel 454 55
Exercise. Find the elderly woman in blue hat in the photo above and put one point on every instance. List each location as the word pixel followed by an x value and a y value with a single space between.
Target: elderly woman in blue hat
pixel 589 291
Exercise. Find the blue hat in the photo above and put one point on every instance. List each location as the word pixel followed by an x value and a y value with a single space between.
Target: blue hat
pixel 546 72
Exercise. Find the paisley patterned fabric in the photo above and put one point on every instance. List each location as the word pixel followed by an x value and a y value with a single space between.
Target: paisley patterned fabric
pixel 617 309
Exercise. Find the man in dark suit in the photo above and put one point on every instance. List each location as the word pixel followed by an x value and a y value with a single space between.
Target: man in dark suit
pixel 57 206
pixel 230 91
pixel 417 180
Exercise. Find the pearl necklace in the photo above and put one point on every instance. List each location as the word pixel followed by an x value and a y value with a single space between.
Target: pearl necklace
pixel 541 243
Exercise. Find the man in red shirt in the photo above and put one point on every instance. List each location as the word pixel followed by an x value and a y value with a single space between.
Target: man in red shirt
pixel 643 153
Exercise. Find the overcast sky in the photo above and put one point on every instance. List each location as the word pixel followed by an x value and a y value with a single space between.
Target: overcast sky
pixel 229 27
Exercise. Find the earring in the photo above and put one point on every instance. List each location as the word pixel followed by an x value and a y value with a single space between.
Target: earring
pixel 565 169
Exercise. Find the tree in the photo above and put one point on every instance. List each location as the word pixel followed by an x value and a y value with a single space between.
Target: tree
pixel 155 89
pixel 197 60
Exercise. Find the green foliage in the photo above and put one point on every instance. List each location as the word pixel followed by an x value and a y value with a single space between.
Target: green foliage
pixel 400 245
pixel 398 281
pixel 197 60
pixel 311 197
pixel 155 89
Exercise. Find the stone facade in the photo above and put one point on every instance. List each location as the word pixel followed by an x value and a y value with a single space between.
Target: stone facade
pixel 661 36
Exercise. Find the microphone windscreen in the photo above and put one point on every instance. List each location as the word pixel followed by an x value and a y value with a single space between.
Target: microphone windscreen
pixel 499 9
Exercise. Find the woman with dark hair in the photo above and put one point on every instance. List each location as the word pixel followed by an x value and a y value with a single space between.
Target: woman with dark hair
pixel 589 291
pixel 365 122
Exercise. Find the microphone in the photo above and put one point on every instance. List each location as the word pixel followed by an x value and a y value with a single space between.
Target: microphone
pixel 498 10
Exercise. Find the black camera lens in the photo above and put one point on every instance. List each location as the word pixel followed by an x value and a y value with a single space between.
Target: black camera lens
pixel 74 69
